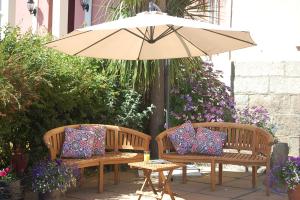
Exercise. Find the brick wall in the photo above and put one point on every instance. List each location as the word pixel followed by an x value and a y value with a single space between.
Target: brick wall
pixel 276 86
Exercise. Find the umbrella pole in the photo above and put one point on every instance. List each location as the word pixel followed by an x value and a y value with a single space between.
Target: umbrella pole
pixel 167 90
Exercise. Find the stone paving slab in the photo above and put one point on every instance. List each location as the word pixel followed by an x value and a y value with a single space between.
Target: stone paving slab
pixel 236 186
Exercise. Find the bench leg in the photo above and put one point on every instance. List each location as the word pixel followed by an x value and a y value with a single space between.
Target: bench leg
pixel 254 176
pixel 116 174
pixel 101 178
pixel 220 173
pixel 81 180
pixel 213 176
pixel 184 174
pixel 267 179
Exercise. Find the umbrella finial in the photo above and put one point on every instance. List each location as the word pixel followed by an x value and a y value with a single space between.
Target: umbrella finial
pixel 153 6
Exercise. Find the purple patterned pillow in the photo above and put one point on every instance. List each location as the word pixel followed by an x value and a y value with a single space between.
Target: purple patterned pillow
pixel 223 136
pixel 182 138
pixel 208 142
pixel 78 143
pixel 99 142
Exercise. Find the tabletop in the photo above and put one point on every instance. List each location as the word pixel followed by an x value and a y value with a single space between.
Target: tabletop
pixel 156 166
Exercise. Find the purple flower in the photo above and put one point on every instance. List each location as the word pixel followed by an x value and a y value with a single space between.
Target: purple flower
pixel 201 97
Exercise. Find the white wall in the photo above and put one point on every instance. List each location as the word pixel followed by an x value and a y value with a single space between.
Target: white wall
pixel 274 26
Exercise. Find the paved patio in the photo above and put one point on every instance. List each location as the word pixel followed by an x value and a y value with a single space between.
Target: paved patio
pixel 236 186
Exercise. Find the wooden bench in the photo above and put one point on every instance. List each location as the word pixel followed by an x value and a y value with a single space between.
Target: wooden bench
pixel 246 145
pixel 123 145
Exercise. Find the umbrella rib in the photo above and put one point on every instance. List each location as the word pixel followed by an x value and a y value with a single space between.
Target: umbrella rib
pixel 167 32
pixel 144 34
pixel 142 44
pixel 189 41
pixel 147 39
pixel 68 37
pixel 230 37
pixel 98 41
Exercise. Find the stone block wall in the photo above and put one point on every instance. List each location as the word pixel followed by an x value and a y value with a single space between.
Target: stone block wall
pixel 276 86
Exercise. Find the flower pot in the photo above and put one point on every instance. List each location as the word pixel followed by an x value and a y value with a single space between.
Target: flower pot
pixel 16 190
pixel 294 194
pixel 53 195
pixel 12 191
pixel 4 190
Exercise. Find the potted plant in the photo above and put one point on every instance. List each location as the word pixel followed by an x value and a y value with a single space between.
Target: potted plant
pixel 52 178
pixel 285 177
pixel 10 185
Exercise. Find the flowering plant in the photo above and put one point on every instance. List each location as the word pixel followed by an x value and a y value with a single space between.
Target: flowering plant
pixel 49 175
pixel 256 115
pixel 200 96
pixel 6 175
pixel 286 174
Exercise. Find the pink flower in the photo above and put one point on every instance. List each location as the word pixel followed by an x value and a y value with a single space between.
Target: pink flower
pixel 7 170
pixel 2 173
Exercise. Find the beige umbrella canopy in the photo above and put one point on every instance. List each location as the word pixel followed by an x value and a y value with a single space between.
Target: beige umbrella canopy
pixel 149 36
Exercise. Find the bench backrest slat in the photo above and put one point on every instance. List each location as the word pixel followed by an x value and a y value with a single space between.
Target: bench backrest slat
pixel 109 139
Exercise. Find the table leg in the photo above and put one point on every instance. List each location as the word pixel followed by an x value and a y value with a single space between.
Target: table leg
pixel 147 182
pixel 166 188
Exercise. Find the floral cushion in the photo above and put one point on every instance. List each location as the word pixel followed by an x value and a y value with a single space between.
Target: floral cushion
pixel 99 142
pixel 209 142
pixel 182 138
pixel 223 136
pixel 78 143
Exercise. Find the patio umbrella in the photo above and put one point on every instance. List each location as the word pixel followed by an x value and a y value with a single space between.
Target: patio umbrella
pixel 152 35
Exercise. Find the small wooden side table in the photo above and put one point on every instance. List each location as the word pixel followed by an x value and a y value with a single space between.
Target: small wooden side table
pixel 151 166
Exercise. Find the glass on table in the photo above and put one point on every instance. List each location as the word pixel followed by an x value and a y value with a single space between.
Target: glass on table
pixel 146 156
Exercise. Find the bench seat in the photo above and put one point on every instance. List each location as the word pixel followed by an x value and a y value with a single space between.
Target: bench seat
pixel 108 158
pixel 226 158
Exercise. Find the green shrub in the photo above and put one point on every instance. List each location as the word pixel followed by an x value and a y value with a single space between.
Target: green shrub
pixel 42 89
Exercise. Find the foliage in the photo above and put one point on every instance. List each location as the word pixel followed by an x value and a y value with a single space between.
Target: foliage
pixel 189 8
pixel 54 175
pixel 130 105
pixel 193 9
pixel 200 96
pixel 49 89
pixel 19 77
pixel 285 174
pixel 256 115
